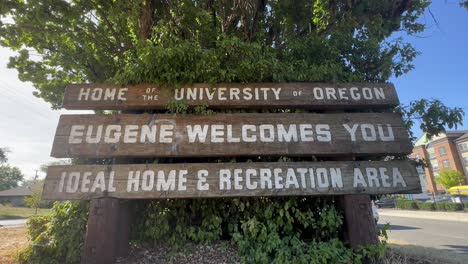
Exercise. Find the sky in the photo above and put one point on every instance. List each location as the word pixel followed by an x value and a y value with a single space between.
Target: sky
pixel 27 124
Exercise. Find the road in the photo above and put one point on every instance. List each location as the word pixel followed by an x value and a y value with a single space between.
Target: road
pixel 439 234
pixel 12 222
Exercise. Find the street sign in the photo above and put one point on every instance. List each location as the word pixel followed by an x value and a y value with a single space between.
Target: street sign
pixel 298 134
pixel 232 96
pixel 193 180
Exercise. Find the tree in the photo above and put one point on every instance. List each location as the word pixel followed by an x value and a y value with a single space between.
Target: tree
pixel 9 177
pixel 35 201
pixel 61 42
pixel 3 155
pixel 450 178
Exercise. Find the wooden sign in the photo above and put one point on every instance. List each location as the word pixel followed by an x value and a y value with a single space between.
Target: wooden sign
pixel 298 134
pixel 232 96
pixel 190 180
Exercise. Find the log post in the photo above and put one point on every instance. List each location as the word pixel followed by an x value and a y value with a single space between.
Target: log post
pixel 107 236
pixel 359 225
pixel 109 227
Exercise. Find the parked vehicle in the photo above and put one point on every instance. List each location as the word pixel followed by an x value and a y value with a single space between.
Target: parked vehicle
pixel 459 190
pixel 386 203
pixel 440 198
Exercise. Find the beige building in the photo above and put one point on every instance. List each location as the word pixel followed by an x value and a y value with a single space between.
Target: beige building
pixel 445 151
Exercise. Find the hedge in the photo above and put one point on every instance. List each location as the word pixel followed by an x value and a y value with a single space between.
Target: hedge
pixel 427 206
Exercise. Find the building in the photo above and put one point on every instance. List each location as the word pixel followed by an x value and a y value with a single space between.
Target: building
pixel 446 151
pixel 15 196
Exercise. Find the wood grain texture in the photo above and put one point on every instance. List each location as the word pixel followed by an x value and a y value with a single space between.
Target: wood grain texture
pixel 224 136
pixel 246 179
pixel 232 96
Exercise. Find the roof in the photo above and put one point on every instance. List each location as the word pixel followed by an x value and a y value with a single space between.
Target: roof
pixel 21 190
pixel 465 136
pixel 454 135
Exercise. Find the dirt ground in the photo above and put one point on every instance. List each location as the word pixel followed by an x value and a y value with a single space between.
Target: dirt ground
pixel 12 240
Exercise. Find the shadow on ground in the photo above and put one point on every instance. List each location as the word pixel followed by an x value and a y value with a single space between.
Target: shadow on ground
pixel 458 248
pixel 431 255
pixel 398 227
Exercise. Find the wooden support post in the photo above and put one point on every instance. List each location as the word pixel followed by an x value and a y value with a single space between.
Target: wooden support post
pixel 109 228
pixel 359 224
pixel 108 231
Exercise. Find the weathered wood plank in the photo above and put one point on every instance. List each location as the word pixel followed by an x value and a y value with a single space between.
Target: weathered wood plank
pixel 232 95
pixel 298 134
pixel 194 180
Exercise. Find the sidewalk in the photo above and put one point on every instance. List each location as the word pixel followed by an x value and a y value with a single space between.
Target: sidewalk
pixel 447 216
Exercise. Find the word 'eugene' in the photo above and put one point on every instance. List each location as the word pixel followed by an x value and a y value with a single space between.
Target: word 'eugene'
pixel 165 133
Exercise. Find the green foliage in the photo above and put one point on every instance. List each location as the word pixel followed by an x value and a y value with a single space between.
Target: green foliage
pixel 9 177
pixel 417 205
pixel 440 206
pixel 426 206
pixel 171 42
pixel 406 204
pixel 465 205
pixel 453 207
pixel 35 201
pixel 265 230
pixel 3 155
pixel 450 178
pixel 433 116
pixel 57 237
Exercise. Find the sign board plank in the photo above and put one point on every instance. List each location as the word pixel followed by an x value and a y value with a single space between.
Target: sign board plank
pixel 298 134
pixel 193 180
pixel 232 96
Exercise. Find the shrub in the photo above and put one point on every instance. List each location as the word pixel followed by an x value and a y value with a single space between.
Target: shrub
pixel 57 237
pixel 465 204
pixel 440 206
pixel 426 206
pixel 453 207
pixel 265 230
pixel 406 204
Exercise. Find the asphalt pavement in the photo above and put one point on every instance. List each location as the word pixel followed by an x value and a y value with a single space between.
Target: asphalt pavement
pixel 440 234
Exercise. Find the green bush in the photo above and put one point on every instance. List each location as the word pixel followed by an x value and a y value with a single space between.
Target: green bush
pixel 453 207
pixel 426 206
pixel 465 205
pixel 406 204
pixel 440 206
pixel 265 230
pixel 57 237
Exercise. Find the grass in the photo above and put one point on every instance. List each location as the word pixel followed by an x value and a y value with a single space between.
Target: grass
pixel 10 212
pixel 10 247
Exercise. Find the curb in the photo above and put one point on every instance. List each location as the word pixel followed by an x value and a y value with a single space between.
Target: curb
pixel 444 216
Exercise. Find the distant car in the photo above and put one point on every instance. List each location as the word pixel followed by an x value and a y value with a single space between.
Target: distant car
pixel 444 198
pixel 386 203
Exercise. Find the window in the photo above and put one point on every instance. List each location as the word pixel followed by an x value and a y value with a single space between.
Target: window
pixel 435 165
pixel 463 146
pixel 431 155
pixel 442 151
pixel 465 160
pixel 446 164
